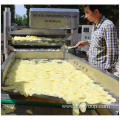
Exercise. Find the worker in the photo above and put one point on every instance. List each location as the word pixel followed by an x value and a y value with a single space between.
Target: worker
pixel 103 46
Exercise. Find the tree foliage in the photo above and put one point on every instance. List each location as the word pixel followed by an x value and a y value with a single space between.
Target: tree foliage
pixel 21 20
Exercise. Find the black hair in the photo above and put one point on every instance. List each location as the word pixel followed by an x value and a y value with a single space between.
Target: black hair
pixel 93 7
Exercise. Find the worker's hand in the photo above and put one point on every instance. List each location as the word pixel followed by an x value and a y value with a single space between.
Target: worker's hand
pixel 80 44
pixel 2 89
pixel 109 70
pixel 87 53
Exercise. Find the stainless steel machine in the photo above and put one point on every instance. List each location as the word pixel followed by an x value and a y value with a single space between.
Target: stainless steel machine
pixel 59 24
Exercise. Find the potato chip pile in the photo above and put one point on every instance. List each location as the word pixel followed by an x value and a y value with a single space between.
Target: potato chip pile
pixel 32 38
pixel 56 78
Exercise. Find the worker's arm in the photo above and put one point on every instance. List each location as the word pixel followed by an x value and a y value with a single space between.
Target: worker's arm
pixel 82 43
pixel 109 70
pixel 112 46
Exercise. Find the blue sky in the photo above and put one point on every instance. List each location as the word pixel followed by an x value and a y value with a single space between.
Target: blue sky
pixel 20 10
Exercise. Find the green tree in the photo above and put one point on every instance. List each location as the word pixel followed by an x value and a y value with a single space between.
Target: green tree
pixel 21 21
pixel 25 20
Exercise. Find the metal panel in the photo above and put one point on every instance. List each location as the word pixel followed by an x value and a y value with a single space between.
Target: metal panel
pixel 54 10
pixel 53 18
pixel 6 65
pixel 7 25
pixel 39 55
pixel 106 80
pixel 39 32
